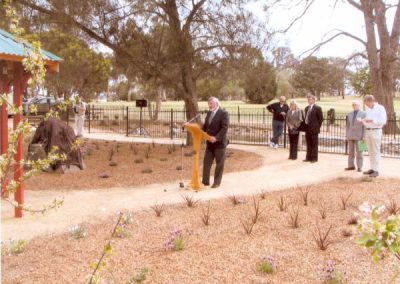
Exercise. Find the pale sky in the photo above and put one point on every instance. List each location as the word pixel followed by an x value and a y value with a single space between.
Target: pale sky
pixel 320 19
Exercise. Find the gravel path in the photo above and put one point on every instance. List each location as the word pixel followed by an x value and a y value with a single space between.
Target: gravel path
pixel 92 206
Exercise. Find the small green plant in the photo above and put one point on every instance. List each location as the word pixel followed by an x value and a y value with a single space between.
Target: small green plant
pixel 121 232
pixel 344 200
pixel 267 265
pixel 330 274
pixel 139 277
pixel 79 231
pixel 158 209
pixel 206 215
pixel 147 171
pixel 15 247
pixel 127 218
pixel 380 234
pixel 138 161
pixel 175 241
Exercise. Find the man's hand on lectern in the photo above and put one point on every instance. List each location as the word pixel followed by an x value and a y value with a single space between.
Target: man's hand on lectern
pixel 213 139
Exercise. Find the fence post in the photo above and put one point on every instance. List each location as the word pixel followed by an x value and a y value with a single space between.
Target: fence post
pixel 127 121
pixel 238 114
pixel 395 124
pixel 172 124
pixel 264 116
pixel 90 114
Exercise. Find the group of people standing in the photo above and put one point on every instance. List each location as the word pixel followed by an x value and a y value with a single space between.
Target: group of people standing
pixel 362 127
pixel 310 122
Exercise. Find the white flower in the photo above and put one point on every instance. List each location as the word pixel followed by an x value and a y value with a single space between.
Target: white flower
pixel 365 207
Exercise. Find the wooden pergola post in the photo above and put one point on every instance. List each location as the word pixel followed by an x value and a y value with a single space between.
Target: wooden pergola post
pixel 19 86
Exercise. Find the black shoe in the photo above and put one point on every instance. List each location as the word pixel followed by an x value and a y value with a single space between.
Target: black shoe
pixel 374 174
pixel 206 184
pixel 358 170
pixel 306 160
pixel 350 169
pixel 313 161
pixel 368 172
pixel 215 185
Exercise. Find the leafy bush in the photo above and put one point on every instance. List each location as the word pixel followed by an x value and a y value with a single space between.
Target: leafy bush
pixel 14 248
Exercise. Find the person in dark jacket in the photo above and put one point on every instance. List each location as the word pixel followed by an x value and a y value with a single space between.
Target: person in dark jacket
pixel 216 125
pixel 313 120
pixel 279 111
pixel 293 121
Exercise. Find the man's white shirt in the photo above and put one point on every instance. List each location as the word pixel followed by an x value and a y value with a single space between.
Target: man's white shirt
pixel 378 116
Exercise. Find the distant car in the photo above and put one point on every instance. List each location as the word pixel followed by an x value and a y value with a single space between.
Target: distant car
pixel 43 104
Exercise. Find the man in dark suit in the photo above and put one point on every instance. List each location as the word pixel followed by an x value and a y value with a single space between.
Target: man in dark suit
pixel 216 125
pixel 313 120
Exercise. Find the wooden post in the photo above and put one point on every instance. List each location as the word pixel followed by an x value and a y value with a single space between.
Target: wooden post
pixel 4 89
pixel 19 84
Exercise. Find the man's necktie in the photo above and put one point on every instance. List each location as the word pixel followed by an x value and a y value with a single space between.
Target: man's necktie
pixel 211 117
pixel 354 116
pixel 308 113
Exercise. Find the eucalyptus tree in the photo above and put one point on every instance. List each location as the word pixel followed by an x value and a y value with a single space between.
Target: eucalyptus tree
pixel 171 42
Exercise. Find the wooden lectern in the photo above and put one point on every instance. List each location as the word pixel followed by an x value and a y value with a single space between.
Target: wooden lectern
pixel 198 136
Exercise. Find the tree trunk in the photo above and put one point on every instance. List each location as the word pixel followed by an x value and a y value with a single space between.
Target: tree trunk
pixel 381 64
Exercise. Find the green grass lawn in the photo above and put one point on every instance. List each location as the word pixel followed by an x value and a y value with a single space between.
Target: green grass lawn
pixel 340 105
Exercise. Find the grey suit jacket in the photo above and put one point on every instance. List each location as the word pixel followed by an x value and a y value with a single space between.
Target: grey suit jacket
pixel 294 120
pixel 355 131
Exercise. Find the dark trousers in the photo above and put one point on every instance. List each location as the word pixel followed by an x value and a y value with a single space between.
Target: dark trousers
pixel 277 130
pixel 312 147
pixel 294 142
pixel 219 155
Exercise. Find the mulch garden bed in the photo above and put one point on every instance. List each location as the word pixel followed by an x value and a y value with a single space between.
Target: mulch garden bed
pixel 133 164
pixel 221 252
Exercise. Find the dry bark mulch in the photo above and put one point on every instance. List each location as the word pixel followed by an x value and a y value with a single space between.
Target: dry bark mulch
pixel 123 171
pixel 220 252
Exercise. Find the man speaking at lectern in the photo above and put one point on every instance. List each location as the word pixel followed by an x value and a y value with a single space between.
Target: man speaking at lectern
pixel 216 125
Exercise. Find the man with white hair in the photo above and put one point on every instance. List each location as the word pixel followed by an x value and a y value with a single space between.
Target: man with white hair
pixel 355 133
pixel 279 110
pixel 374 121
pixel 216 125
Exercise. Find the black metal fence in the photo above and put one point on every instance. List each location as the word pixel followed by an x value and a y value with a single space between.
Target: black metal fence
pixel 246 127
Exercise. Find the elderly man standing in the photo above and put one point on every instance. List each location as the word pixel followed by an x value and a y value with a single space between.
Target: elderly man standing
pixel 279 110
pixel 374 121
pixel 355 133
pixel 216 125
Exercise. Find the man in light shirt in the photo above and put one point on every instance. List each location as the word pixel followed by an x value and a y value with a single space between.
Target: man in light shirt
pixel 80 109
pixel 374 121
